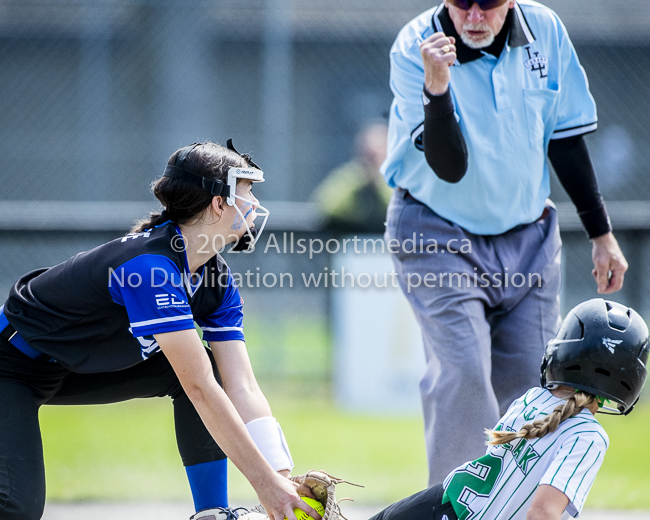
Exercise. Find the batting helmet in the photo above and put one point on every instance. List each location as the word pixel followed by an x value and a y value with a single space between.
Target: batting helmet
pixel 602 349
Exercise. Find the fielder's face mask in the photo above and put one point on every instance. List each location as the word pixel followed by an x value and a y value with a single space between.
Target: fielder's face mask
pixel 228 191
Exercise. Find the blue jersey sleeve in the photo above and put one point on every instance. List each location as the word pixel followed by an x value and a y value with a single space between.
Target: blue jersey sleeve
pixel 150 287
pixel 227 322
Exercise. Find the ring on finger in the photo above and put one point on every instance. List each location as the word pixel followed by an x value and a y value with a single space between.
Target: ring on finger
pixel 446 48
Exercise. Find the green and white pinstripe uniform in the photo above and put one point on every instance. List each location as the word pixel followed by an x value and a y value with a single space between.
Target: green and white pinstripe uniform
pixel 501 484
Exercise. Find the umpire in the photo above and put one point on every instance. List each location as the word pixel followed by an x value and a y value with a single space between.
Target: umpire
pixel 503 89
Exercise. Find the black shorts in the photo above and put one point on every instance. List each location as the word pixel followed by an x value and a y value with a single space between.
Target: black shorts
pixel 425 505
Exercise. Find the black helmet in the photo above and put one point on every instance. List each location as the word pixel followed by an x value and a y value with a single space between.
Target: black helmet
pixel 602 349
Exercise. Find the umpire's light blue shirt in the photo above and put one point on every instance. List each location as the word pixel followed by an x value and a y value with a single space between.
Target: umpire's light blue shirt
pixel 508 109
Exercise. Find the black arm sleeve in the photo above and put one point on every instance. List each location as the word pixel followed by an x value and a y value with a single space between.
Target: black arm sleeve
pixel 442 140
pixel 571 161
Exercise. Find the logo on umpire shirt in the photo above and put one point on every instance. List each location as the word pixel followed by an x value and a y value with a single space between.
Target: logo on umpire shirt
pixel 535 62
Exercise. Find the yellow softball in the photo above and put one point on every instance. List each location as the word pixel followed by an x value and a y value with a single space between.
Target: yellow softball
pixel 301 515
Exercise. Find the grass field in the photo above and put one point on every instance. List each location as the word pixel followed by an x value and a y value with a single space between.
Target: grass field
pixel 128 452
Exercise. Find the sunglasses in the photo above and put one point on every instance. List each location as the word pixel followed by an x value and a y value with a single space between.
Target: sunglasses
pixel 485 5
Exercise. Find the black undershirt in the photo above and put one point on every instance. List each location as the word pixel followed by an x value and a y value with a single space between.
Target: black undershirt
pixel 572 164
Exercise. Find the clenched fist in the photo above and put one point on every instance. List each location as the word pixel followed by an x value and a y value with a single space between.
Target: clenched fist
pixel 438 54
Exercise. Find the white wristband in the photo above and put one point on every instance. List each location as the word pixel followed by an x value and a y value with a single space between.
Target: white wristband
pixel 269 439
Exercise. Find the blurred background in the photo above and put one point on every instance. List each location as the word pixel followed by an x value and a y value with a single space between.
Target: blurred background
pixel 97 94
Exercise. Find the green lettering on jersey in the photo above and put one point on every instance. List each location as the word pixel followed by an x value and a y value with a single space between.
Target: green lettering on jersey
pixel 524 460
pixel 518 448
pixel 508 446
pixel 470 487
pixel 530 414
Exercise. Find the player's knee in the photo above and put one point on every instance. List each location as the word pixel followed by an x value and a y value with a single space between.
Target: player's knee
pixel 31 509
pixel 176 390
pixel 21 506
pixel 22 489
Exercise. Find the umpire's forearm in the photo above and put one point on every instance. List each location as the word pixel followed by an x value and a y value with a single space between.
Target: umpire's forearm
pixel 571 161
pixel 442 139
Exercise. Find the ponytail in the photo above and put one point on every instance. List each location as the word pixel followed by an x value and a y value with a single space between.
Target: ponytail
pixel 155 219
pixel 573 406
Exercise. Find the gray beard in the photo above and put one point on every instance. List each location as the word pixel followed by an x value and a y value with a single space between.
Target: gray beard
pixel 481 44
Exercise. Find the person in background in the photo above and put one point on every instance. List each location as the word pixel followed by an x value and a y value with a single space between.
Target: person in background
pixel 353 198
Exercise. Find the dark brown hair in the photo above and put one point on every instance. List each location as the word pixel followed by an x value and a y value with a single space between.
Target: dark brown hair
pixel 184 202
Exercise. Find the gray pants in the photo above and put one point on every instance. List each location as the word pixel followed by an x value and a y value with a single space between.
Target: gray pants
pixel 486 305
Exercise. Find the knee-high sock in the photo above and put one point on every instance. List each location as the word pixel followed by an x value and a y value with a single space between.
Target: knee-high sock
pixel 209 484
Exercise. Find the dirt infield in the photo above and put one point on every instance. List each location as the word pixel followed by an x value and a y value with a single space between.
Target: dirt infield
pixel 182 511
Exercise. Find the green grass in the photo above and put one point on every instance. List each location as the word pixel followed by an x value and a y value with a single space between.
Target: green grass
pixel 291 347
pixel 128 452
pixel 624 479
pixel 112 452
pixel 386 455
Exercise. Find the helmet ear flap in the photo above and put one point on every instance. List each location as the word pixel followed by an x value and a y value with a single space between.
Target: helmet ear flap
pixel 542 372
pixel 626 412
pixel 643 354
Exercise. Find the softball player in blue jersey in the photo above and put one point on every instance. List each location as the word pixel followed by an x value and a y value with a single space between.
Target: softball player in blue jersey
pixel 91 330
pixel 545 452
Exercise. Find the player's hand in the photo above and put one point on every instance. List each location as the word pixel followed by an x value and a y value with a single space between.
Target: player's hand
pixel 280 497
pixel 609 263
pixel 438 54
pixel 302 490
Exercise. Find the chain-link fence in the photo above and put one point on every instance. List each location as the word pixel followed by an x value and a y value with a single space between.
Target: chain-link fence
pixel 97 94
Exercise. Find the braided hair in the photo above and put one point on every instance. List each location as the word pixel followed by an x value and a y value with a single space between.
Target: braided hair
pixel 573 406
